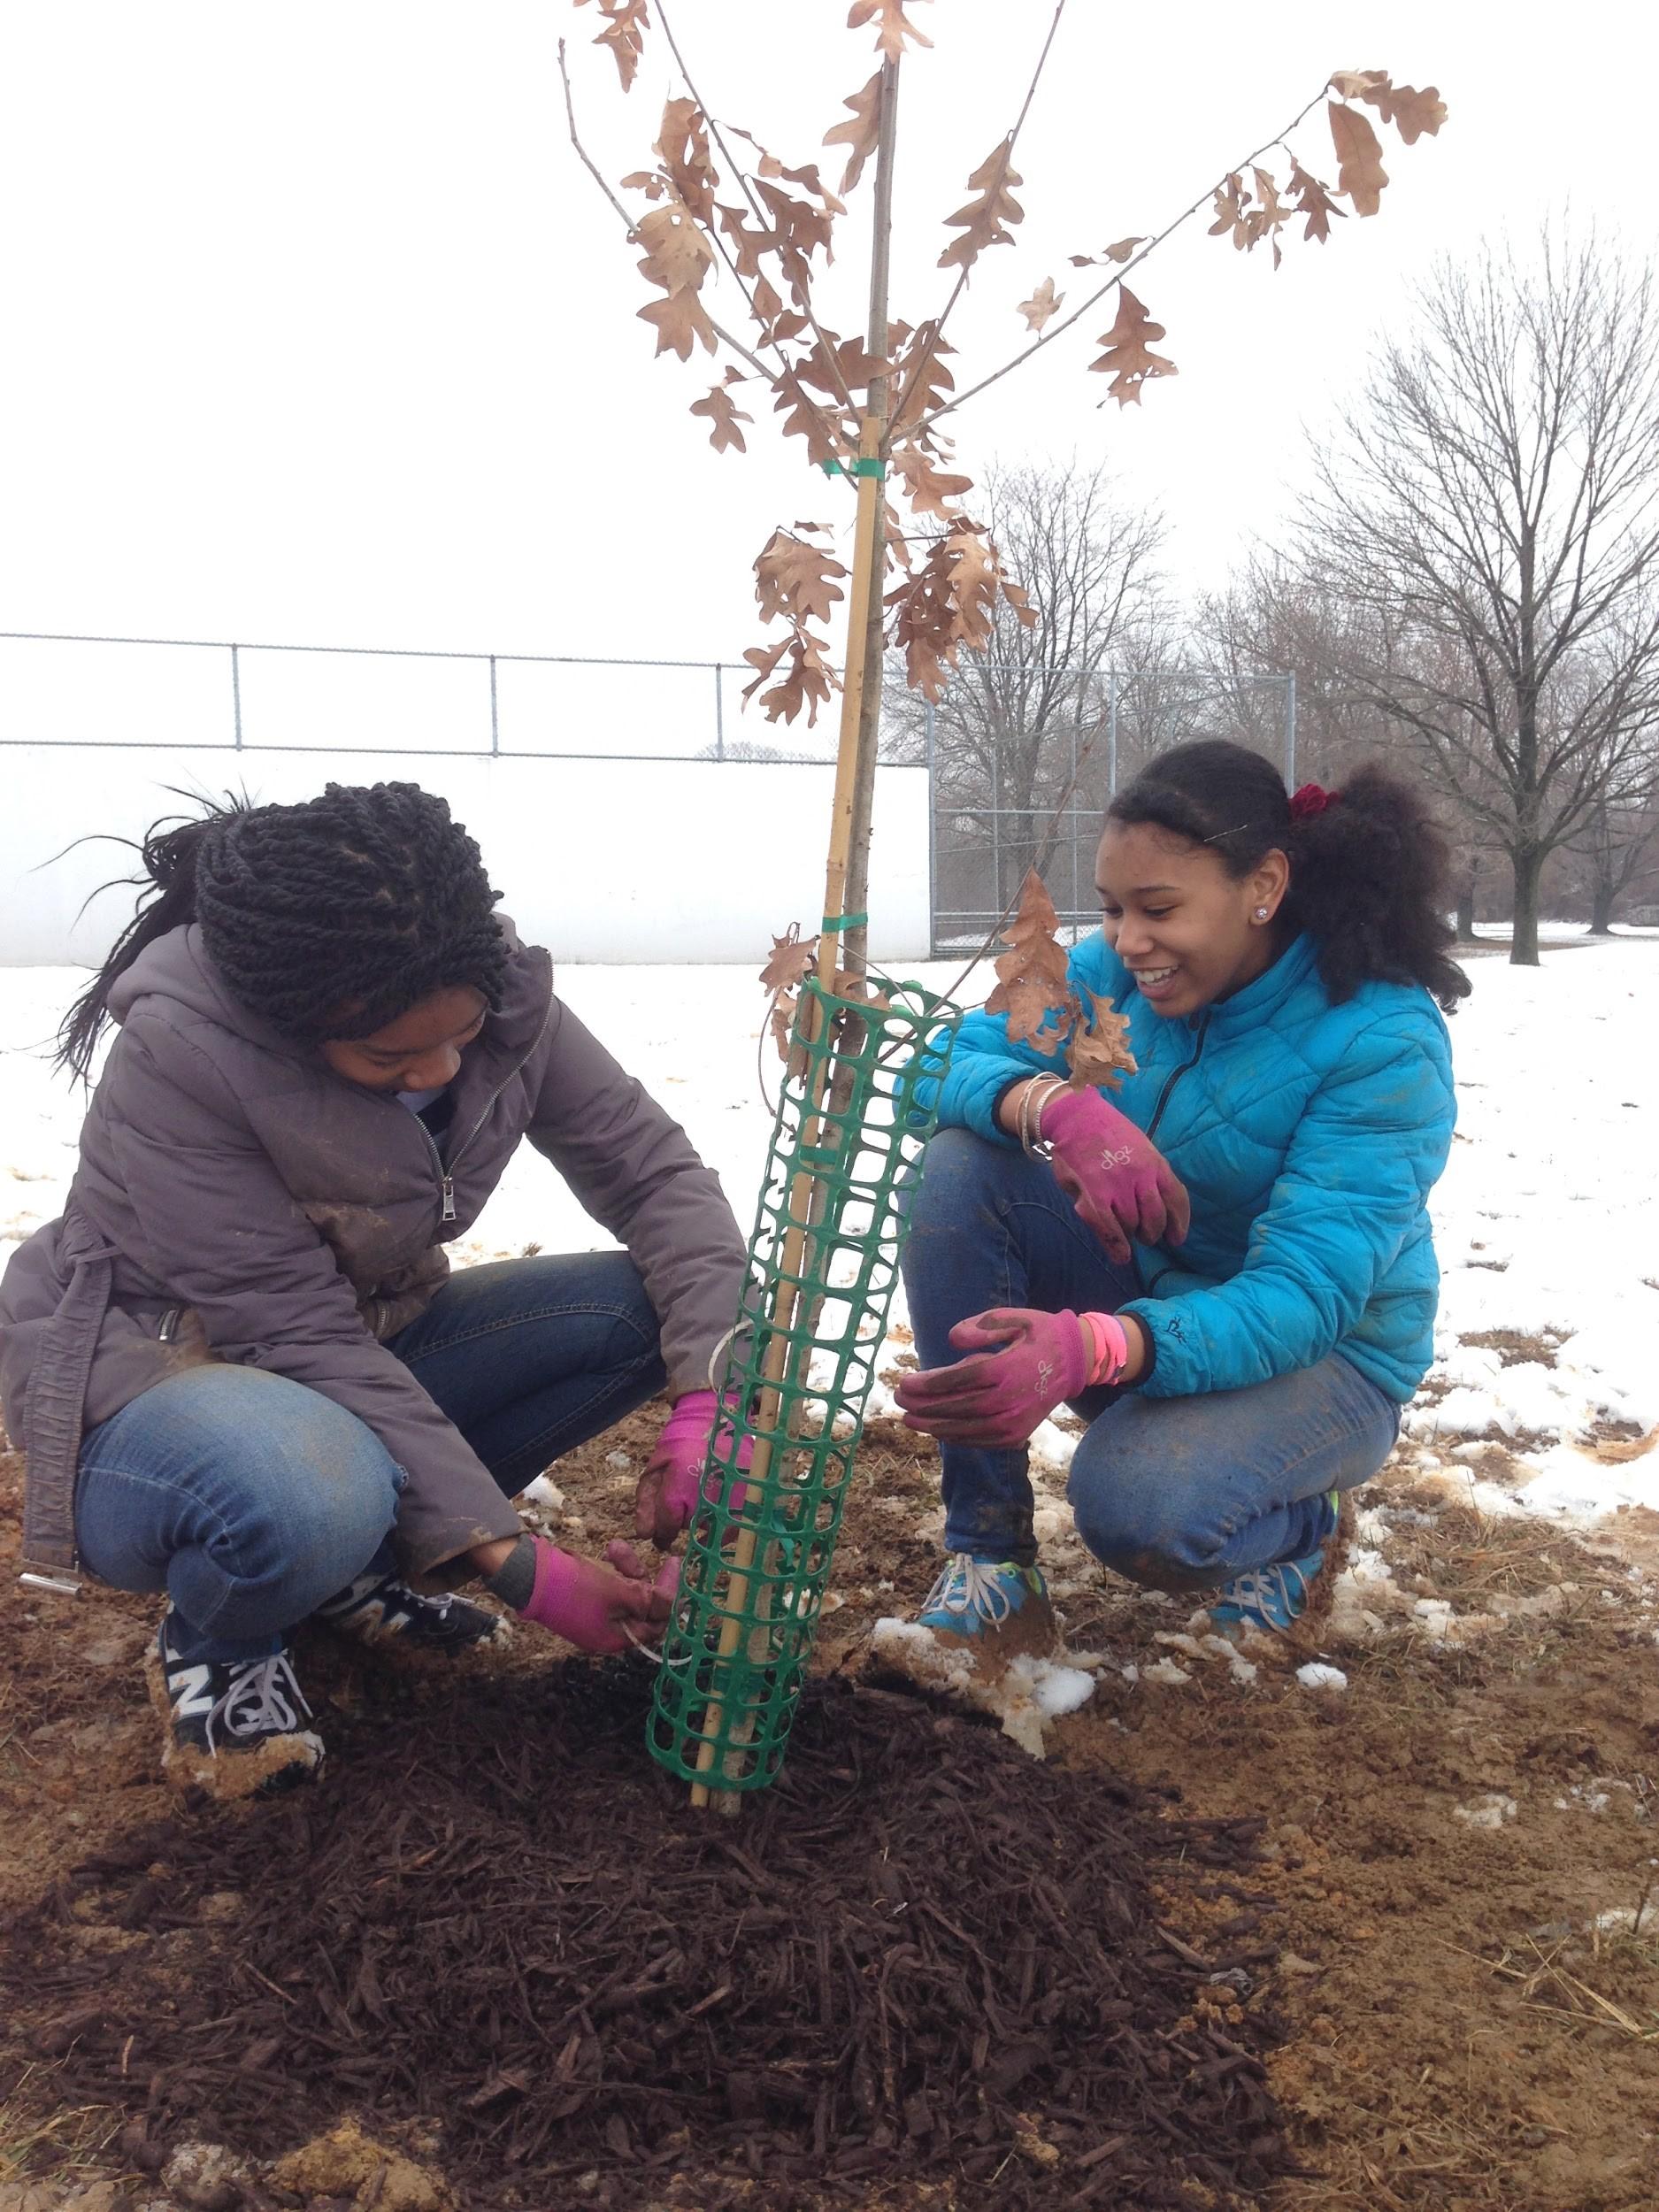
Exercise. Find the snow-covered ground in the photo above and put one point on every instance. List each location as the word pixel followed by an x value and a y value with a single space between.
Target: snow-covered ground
pixel 1548 1218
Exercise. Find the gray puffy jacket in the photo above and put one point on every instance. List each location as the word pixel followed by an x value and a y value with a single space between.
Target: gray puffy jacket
pixel 299 1220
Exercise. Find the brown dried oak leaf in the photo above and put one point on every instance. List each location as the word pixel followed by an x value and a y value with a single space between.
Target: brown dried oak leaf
pixel 1120 253
pixel 1313 200
pixel 984 219
pixel 679 323
pixel 893 26
pixel 625 25
pixel 921 381
pixel 682 145
pixel 677 252
pixel 1359 154
pixel 725 414
pixel 859 134
pixel 928 490
pixel 1098 1051
pixel 795 580
pixel 791 957
pixel 1033 988
pixel 1128 358
pixel 806 682
pixel 1044 304
pixel 1415 114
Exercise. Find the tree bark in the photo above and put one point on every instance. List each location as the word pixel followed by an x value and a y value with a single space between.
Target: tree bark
pixel 1466 912
pixel 1602 910
pixel 1529 866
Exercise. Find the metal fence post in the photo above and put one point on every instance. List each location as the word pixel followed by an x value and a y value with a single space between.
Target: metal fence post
pixel 235 692
pixel 1290 729
pixel 1111 734
pixel 719 713
pixel 495 713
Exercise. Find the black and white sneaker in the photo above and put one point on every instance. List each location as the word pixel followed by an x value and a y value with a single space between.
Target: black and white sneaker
pixel 232 1726
pixel 386 1615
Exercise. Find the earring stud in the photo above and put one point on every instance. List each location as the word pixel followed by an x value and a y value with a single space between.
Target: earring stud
pixel 1261 913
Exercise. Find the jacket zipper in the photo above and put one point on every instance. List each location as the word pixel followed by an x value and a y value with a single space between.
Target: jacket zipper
pixel 446 1176
pixel 1175 1076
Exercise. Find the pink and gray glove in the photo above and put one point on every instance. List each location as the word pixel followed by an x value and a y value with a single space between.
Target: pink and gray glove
pixel 601 1607
pixel 1118 1181
pixel 667 1494
pixel 1025 1364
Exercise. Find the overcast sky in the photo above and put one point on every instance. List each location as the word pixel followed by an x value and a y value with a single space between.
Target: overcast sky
pixel 316 331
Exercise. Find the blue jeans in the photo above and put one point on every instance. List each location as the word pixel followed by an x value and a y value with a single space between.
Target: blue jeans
pixel 1175 1493
pixel 251 1499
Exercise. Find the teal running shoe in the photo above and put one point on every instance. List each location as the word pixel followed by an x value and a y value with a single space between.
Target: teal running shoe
pixel 978 1599
pixel 1275 1598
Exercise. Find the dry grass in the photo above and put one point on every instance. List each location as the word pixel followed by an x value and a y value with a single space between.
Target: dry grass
pixel 75 2135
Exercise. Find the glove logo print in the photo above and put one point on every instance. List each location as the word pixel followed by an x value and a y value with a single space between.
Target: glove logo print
pixel 1120 1158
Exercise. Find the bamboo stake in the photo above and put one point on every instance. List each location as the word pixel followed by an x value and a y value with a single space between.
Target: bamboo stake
pixel 856 940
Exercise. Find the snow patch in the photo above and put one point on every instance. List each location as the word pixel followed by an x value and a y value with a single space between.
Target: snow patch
pixel 1028 1697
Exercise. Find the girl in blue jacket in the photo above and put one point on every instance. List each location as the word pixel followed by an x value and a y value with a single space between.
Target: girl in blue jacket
pixel 1227 1270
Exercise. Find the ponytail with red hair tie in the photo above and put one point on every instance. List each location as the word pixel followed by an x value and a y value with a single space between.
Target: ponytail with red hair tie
pixel 1311 799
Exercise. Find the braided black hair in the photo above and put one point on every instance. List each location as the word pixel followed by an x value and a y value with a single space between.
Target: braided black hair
pixel 1368 872
pixel 329 918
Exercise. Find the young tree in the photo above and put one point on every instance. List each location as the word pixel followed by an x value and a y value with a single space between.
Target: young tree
pixel 1487 523
pixel 736 241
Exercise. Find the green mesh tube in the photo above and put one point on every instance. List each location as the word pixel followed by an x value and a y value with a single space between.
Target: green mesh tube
pixel 736 1649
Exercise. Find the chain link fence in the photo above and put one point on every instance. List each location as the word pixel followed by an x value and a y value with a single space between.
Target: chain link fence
pixel 198 695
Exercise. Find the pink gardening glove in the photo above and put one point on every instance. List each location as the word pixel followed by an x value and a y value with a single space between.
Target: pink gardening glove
pixel 1119 1182
pixel 599 1608
pixel 667 1494
pixel 1027 1363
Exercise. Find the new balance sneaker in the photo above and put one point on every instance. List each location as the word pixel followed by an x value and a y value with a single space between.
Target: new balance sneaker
pixel 379 1611
pixel 1275 1598
pixel 994 1604
pixel 234 1727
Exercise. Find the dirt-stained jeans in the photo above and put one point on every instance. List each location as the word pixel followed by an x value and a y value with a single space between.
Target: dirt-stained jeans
pixel 1177 1493
pixel 251 1499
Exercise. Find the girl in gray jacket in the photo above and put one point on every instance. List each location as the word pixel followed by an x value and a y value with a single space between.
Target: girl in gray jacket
pixel 238 1365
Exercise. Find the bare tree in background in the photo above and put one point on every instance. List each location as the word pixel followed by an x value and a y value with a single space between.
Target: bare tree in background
pixel 1014 719
pixel 1487 522
pixel 1617 851
pixel 1272 619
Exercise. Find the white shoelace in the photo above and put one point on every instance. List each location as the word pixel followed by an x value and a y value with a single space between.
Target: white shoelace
pixel 1266 1590
pixel 970 1586
pixel 263 1699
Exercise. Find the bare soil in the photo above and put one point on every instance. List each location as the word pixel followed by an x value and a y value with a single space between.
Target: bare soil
pixel 1436 1909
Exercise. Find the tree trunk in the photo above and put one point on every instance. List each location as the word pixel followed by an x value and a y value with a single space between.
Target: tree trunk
pixel 1602 910
pixel 1466 912
pixel 1529 866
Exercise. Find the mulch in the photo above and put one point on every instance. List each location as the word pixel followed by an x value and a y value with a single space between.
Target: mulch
pixel 921 1957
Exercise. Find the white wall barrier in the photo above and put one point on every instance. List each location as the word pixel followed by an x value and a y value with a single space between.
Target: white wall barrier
pixel 599 860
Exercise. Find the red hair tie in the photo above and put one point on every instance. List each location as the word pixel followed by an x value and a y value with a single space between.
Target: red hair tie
pixel 1311 800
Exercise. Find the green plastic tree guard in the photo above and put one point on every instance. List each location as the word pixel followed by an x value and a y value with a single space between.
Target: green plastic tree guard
pixel 823 1264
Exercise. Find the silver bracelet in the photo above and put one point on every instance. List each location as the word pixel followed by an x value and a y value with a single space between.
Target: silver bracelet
pixel 1030 1123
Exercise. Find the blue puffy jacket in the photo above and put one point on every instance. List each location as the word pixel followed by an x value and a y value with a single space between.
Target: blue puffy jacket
pixel 1309 1136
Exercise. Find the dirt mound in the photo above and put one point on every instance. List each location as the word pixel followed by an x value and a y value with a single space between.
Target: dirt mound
pixel 919 1956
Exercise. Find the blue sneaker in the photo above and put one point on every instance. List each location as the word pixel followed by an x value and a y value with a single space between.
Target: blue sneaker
pixel 976 1599
pixel 1275 1598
